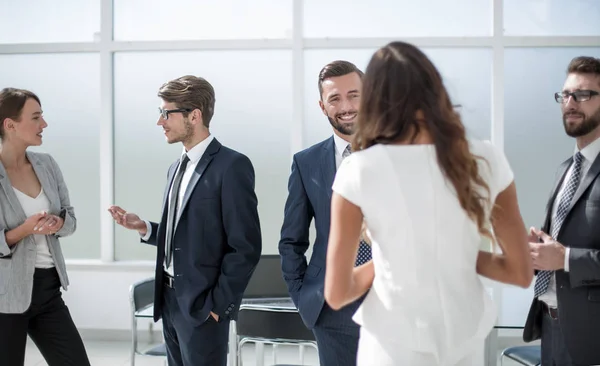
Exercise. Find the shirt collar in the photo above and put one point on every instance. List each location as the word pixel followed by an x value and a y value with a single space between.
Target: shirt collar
pixel 197 151
pixel 340 144
pixel 591 151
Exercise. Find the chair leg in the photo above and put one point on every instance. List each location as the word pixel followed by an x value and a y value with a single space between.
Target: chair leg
pixel 240 345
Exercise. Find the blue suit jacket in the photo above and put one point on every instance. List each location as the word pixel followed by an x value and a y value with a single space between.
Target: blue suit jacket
pixel 217 239
pixel 309 187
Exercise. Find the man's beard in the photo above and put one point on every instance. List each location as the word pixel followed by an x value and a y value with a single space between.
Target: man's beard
pixel 584 127
pixel 343 128
pixel 187 134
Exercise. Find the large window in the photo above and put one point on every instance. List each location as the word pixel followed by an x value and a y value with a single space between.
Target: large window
pixel 151 20
pixel 397 18
pixel 97 66
pixel 43 21
pixel 551 18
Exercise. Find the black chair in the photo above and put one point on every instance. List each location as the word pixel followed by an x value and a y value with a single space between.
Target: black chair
pixel 267 314
pixel 267 280
pixel 525 355
pixel 141 297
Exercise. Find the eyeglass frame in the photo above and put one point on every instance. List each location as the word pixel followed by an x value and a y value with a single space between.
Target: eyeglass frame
pixel 564 96
pixel 165 112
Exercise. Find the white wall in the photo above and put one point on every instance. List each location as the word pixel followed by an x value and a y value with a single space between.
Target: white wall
pixel 98 296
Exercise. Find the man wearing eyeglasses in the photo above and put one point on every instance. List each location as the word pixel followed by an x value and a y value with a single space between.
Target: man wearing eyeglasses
pixel 208 239
pixel 565 312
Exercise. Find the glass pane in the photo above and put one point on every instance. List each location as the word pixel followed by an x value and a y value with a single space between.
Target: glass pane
pixel 466 73
pixel 71 104
pixel 253 115
pixel 43 21
pixel 397 18
pixel 552 18
pixel 150 20
pixel 534 137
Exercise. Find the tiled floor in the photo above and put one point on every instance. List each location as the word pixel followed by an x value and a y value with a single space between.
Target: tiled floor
pixel 103 353
pixel 106 353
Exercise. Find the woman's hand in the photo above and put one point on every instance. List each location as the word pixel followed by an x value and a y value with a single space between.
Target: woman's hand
pixel 29 227
pixel 48 225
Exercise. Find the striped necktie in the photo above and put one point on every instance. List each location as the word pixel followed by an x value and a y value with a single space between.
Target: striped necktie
pixel 543 277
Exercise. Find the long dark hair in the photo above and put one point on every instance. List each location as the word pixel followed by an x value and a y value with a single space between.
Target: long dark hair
pixel 399 82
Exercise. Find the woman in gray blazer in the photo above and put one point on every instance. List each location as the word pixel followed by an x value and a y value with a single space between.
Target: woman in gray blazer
pixel 34 213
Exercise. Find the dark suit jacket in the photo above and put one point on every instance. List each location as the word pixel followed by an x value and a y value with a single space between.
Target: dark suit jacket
pixel 578 291
pixel 217 238
pixel 309 187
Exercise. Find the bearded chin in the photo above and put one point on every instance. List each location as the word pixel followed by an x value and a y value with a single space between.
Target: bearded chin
pixel 586 126
pixel 344 130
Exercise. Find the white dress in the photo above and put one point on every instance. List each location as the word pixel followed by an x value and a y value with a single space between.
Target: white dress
pixel 427 305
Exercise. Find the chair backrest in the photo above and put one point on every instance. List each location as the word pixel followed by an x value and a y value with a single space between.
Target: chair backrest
pixel 141 294
pixel 267 279
pixel 272 325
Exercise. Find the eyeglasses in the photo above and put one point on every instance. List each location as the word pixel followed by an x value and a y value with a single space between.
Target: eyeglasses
pixel 578 96
pixel 165 112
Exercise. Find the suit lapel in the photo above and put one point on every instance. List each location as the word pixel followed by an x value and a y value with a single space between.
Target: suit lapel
pixel 10 194
pixel 170 177
pixel 328 165
pixel 205 160
pixel 42 174
pixel 583 186
pixel 562 171
pixel 586 181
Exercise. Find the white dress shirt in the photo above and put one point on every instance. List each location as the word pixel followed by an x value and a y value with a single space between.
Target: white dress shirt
pixel 589 153
pixel 340 146
pixel 194 154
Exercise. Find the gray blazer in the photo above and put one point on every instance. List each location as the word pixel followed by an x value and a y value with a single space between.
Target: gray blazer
pixel 17 263
pixel 577 291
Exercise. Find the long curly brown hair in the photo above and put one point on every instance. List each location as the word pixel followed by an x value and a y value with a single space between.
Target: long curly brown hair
pixel 400 83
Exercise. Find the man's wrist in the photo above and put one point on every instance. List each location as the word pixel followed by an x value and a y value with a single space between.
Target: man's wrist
pixel 143 230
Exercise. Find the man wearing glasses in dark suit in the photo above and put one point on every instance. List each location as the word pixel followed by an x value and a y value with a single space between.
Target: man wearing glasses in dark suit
pixel 565 312
pixel 208 239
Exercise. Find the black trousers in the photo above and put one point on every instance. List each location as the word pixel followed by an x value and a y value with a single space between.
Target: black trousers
pixel 337 336
pixel 191 345
pixel 47 322
pixel 554 350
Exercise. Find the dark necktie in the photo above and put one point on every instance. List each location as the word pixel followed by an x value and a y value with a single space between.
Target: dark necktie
pixel 364 250
pixel 543 277
pixel 172 213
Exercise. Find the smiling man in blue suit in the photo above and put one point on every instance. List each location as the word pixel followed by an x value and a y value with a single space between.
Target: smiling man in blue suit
pixel 309 198
pixel 208 239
